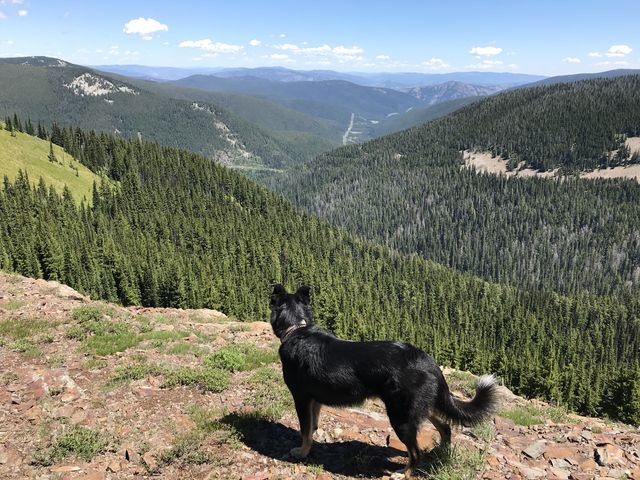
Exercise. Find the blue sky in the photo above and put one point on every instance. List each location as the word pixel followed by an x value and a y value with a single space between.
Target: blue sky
pixel 542 36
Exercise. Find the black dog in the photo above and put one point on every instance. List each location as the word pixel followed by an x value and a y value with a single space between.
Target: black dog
pixel 320 369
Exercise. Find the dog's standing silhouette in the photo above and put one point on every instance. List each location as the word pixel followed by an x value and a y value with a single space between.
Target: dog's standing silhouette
pixel 320 369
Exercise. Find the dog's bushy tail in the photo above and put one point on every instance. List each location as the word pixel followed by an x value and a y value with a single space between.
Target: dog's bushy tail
pixel 472 412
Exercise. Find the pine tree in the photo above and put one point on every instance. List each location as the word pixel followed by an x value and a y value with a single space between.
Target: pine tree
pixel 52 156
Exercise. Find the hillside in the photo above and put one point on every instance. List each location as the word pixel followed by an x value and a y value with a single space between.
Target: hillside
pixel 408 190
pixel 227 239
pixel 443 92
pixel 50 90
pixel 94 391
pixel 268 115
pixel 31 155
pixel 333 100
pixel 584 76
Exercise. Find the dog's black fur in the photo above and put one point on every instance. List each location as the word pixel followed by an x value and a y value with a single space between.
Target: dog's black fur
pixel 320 369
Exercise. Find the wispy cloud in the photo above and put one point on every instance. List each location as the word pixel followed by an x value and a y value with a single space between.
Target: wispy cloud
pixel 279 56
pixel 145 27
pixel 485 51
pixel 487 64
pixel 23 13
pixel 339 52
pixel 594 54
pixel 435 63
pixel 571 60
pixel 383 57
pixel 255 43
pixel 211 47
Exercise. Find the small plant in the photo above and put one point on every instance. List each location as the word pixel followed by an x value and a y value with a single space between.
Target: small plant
pixel 239 357
pixel 484 431
pixel 19 328
pixel 187 449
pixel 207 379
pixel 48 338
pixel 533 415
pixel 120 338
pixel 94 364
pixel 8 377
pixel 78 441
pixel 452 462
pixel 12 305
pixel 164 335
pixel 130 373
pixel 525 416
pixel 26 348
pixel 55 391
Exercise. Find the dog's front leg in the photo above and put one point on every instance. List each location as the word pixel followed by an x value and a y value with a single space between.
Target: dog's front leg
pixel 315 408
pixel 304 409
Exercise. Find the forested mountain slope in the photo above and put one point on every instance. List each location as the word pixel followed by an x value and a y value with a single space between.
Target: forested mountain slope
pixel 226 239
pixel 409 190
pixel 49 90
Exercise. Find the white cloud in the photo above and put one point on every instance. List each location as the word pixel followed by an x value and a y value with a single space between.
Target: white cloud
pixel 287 46
pixel 145 27
pixel 165 43
pixel 619 50
pixel 346 51
pixel 435 63
pixel 23 13
pixel 2 16
pixel 340 52
pixel 8 42
pixel 485 51
pixel 282 35
pixel 255 43
pixel 383 57
pixel 571 60
pixel 594 54
pixel 279 56
pixel 212 47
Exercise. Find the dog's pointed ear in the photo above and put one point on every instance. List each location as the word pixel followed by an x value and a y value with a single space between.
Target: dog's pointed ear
pixel 278 291
pixel 304 294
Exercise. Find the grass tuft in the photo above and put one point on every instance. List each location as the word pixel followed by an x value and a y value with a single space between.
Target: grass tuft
pixel 452 462
pixel 78 441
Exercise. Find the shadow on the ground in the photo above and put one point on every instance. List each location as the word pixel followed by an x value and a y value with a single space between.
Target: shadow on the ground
pixel 352 458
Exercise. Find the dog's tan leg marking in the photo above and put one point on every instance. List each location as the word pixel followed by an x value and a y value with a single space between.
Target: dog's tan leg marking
pixel 306 430
pixel 315 408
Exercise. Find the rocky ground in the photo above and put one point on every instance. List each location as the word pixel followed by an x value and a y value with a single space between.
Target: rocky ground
pixel 95 391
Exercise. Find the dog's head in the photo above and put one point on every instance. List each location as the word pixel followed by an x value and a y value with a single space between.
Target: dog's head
pixel 290 309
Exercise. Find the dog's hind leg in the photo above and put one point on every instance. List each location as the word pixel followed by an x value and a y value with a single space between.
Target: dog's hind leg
pixel 315 408
pixel 407 432
pixel 443 429
pixel 304 409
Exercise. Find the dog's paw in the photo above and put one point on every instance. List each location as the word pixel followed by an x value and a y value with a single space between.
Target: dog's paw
pixel 298 452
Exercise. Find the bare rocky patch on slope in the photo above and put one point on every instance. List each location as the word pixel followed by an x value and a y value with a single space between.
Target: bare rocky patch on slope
pixel 96 391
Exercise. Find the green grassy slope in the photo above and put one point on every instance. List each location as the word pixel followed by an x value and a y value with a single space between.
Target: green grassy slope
pixel 30 154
